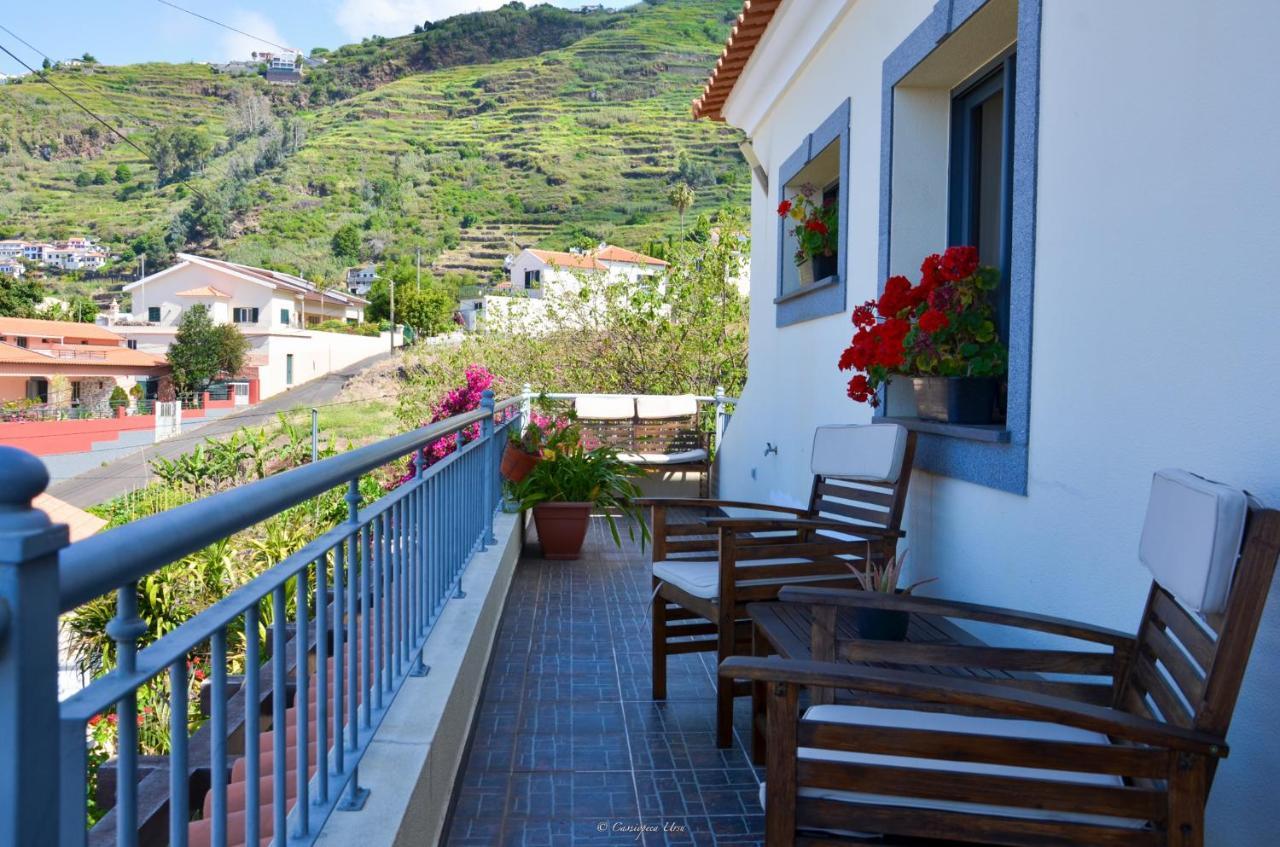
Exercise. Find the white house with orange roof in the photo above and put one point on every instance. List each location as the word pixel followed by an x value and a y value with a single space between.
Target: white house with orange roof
pixel 93 359
pixel 536 271
pixel 276 311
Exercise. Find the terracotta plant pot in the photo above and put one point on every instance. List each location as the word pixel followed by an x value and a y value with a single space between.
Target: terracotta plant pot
pixel 516 463
pixel 562 527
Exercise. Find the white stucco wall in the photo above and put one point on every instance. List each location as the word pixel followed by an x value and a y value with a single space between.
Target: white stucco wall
pixel 1154 341
pixel 314 354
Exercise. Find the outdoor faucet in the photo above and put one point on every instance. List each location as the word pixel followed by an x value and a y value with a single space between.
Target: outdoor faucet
pixel 770 448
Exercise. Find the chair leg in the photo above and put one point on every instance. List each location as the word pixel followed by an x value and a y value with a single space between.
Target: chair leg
pixel 726 637
pixel 1188 791
pixel 659 650
pixel 759 697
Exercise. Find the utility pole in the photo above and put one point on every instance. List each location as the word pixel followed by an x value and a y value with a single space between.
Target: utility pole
pixel 391 285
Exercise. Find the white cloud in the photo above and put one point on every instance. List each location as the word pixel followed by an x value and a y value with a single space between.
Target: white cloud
pixel 360 18
pixel 236 46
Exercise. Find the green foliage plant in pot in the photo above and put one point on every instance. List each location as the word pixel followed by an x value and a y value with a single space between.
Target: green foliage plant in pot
pixel 884 624
pixel 567 485
pixel 524 448
pixel 940 332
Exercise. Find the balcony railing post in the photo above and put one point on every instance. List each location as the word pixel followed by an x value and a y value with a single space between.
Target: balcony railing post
pixel 720 417
pixel 488 452
pixel 526 405
pixel 29 546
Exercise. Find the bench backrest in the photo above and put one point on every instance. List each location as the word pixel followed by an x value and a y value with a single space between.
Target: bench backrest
pixel 641 424
pixel 860 473
pixel 1205 603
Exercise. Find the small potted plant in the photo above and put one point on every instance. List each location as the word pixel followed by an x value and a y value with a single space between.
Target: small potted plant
pixel 567 485
pixel 815 229
pixel 524 448
pixel 940 332
pixel 884 624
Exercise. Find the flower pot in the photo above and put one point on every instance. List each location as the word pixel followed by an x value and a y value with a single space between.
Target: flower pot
pixel 517 463
pixel 805 272
pixel 957 400
pixel 824 267
pixel 562 527
pixel 881 624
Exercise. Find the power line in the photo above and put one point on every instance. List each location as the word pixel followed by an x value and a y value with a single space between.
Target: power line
pixel 224 26
pixel 44 77
pixel 28 44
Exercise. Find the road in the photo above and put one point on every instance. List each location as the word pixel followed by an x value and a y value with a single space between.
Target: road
pixel 129 472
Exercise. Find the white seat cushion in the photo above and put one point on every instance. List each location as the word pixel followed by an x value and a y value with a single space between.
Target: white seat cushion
pixel 658 406
pixel 868 453
pixel 1191 537
pixel 681 458
pixel 605 407
pixel 943 722
pixel 702 579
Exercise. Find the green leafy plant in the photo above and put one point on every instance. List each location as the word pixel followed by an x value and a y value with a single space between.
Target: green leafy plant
pixel 884 578
pixel 816 226
pixel 573 474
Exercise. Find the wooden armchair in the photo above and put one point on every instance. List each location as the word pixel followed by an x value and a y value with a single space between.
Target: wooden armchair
pixel 1126 758
pixel 705 573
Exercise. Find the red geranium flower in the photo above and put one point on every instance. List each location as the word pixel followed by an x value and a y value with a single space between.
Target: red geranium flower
pixel 859 389
pixel 959 263
pixel 896 297
pixel 783 208
pixel 815 225
pixel 864 316
pixel 934 321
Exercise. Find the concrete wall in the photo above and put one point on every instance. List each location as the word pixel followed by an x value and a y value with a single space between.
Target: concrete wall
pixel 1154 340
pixel 314 354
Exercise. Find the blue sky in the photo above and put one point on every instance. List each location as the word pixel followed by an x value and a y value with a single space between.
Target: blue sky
pixel 128 31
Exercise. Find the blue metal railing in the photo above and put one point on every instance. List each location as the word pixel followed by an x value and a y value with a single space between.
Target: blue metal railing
pixel 364 596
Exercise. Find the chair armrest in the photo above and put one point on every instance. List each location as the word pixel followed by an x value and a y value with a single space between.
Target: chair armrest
pixel 699 503
pixel 957 691
pixel 953 609
pixel 776 524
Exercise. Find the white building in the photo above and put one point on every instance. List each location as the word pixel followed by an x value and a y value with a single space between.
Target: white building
pixel 9 267
pixel 537 271
pixel 1136 238
pixel 11 249
pixel 360 280
pixel 275 311
pixel 34 251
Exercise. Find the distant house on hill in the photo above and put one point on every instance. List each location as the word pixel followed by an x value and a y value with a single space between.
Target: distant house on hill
pixel 9 267
pixel 284 68
pixel 537 271
pixel 360 280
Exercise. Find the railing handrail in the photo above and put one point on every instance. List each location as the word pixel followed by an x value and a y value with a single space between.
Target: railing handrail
pixel 717 399
pixel 101 563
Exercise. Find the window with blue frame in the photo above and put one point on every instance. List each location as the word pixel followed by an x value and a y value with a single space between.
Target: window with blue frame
pixel 813 286
pixel 981 176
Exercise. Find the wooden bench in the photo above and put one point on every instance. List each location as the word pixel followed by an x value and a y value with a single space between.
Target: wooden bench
pixel 654 432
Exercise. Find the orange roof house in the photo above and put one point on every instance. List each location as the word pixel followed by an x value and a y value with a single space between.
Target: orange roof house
pixel 32 352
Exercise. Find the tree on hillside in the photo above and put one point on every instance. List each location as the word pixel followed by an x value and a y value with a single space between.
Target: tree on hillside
pixel 178 153
pixel 346 243
pixel 123 174
pixel 202 350
pixel 429 310
pixel 681 196
pixel 20 298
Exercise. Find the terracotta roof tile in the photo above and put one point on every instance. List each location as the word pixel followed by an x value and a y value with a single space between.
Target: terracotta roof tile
pixel 619 254
pixel 204 291
pixel 56 329
pixel 747 32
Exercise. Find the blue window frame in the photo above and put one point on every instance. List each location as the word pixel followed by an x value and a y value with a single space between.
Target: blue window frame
pixel 284 316
pixel 797 302
pixel 996 458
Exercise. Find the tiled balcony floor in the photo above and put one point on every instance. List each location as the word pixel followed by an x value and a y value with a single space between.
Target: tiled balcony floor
pixel 568 748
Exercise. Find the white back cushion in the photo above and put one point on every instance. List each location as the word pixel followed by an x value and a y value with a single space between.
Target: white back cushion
pixel 1191 537
pixel 870 452
pixel 653 406
pixel 605 407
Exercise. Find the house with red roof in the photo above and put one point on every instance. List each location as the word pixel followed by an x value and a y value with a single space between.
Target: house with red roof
pixel 536 271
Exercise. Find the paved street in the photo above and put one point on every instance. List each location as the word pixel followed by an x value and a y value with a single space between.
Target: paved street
pixel 130 472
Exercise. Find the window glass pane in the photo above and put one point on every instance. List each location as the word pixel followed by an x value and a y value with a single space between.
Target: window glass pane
pixel 819 182
pixel 989 224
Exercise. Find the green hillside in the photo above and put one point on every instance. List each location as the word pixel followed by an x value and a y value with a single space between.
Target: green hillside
pixel 577 143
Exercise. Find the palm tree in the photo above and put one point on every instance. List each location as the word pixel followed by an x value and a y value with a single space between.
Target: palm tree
pixel 681 196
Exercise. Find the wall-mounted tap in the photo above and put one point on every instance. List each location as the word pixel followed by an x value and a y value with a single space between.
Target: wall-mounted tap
pixel 770 448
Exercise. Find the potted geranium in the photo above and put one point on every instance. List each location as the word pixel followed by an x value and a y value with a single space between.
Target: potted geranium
pixel 884 624
pixel 941 332
pixel 815 229
pixel 567 485
pixel 524 448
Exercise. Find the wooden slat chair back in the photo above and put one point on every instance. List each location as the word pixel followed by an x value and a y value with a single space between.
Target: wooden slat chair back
pixel 706 574
pixel 1036 760
pixel 654 432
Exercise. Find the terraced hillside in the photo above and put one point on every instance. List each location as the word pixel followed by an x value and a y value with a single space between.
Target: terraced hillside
pixel 569 146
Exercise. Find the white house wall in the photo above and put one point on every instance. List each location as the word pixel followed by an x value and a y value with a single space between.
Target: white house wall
pixel 1154 338
pixel 314 354
pixel 163 291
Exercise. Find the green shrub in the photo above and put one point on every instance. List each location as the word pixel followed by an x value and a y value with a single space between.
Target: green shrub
pixel 119 398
